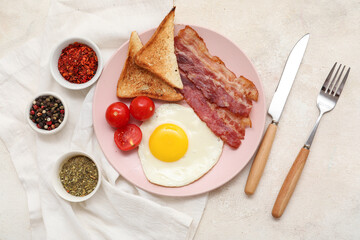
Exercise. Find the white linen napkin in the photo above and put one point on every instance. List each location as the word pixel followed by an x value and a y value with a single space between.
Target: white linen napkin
pixel 118 210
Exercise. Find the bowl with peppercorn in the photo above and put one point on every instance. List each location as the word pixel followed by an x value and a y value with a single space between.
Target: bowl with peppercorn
pixel 47 113
pixel 76 63
pixel 76 176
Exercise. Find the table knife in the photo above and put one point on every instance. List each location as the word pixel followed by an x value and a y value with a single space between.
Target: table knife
pixel 275 110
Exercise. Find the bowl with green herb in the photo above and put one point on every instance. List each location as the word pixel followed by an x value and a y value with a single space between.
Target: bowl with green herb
pixel 77 176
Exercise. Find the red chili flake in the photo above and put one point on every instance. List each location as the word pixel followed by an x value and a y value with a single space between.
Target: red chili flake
pixel 78 63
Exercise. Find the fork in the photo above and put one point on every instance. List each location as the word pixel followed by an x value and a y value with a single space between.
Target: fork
pixel 326 101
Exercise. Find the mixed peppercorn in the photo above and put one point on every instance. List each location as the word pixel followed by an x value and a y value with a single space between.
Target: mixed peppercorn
pixel 47 112
pixel 78 63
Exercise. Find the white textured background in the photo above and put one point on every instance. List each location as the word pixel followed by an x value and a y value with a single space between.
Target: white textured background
pixel 326 202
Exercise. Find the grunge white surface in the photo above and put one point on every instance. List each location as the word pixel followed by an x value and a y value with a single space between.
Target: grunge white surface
pixel 326 202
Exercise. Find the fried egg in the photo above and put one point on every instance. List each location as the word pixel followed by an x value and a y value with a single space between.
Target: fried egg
pixel 177 147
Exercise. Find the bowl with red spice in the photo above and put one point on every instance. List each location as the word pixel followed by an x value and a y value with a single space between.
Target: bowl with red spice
pixel 47 113
pixel 76 63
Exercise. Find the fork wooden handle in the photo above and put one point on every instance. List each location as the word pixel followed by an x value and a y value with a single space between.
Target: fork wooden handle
pixel 260 160
pixel 290 182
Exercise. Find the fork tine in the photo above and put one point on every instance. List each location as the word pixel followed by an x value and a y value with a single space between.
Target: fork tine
pixel 327 81
pixel 333 81
pixel 333 90
pixel 339 90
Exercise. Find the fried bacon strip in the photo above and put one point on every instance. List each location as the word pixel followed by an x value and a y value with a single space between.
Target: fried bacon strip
pixel 219 99
pixel 225 124
pixel 209 74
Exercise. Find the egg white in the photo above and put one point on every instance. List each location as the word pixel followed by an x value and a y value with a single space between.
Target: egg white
pixel 203 152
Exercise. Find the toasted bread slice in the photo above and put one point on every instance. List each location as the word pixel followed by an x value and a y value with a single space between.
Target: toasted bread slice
pixel 158 54
pixel 136 81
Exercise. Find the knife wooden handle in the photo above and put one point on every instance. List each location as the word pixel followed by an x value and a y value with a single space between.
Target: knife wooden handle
pixel 290 182
pixel 260 160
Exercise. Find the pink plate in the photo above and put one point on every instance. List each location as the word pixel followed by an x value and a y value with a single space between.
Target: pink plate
pixel 231 161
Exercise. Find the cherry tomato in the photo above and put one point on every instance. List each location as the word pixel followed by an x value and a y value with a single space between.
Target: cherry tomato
pixel 117 115
pixel 128 137
pixel 142 108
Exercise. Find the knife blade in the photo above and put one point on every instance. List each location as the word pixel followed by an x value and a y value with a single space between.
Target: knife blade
pixel 287 78
pixel 275 110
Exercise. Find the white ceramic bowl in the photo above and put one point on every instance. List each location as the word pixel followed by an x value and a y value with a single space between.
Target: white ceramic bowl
pixel 43 131
pixel 54 63
pixel 56 178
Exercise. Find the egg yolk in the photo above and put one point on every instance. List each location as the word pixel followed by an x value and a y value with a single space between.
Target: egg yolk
pixel 168 142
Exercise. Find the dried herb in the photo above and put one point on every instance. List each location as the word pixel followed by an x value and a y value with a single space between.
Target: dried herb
pixel 79 176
